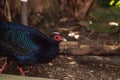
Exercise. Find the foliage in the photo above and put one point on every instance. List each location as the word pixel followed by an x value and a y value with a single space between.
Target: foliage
pixel 115 3
pixel 103 28
pixel 103 15
pixel 101 18
pixel 104 4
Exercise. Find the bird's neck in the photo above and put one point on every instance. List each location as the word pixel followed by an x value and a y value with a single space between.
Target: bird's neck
pixel 53 42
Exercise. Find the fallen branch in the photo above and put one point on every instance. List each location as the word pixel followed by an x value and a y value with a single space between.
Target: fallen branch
pixel 99 59
pixel 89 48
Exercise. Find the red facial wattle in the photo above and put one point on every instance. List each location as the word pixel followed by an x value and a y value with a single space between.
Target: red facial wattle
pixel 58 37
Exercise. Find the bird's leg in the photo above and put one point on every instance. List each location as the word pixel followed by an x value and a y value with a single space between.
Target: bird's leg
pixel 21 71
pixel 4 65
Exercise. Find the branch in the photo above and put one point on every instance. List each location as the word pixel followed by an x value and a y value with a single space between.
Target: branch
pixel 88 48
pixel 94 48
pixel 85 8
pixel 8 13
pixel 24 16
pixel 99 59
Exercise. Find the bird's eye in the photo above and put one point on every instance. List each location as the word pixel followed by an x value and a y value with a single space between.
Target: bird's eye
pixel 57 37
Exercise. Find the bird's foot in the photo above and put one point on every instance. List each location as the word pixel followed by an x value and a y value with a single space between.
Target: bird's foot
pixel 4 65
pixel 21 71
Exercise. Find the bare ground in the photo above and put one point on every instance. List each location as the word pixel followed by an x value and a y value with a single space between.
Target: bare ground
pixel 71 68
pixel 66 67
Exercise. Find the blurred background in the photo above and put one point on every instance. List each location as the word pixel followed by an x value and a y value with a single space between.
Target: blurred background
pixel 91 22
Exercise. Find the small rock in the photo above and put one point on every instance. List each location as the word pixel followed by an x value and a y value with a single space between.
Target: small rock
pixel 72 62
pixel 50 64
pixel 69 58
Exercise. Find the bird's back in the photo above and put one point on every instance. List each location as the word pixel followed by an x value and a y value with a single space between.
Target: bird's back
pixel 26 45
pixel 20 38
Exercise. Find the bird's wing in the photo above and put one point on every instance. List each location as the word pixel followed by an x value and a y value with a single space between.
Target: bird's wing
pixel 17 37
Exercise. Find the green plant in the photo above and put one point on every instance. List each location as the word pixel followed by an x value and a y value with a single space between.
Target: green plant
pixel 115 3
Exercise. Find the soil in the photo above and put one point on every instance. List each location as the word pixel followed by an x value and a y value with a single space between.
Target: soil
pixel 69 68
pixel 66 67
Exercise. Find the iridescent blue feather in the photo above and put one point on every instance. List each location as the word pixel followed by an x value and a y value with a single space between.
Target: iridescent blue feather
pixel 25 44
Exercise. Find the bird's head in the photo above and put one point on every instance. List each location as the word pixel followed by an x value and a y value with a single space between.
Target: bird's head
pixel 57 37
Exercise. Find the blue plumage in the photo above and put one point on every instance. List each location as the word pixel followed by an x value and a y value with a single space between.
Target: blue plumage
pixel 26 45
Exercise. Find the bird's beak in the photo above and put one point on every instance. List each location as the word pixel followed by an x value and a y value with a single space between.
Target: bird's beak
pixel 64 39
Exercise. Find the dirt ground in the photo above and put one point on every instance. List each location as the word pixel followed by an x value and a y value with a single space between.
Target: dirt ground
pixel 69 68
pixel 66 67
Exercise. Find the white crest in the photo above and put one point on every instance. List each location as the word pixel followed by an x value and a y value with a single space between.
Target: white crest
pixel 24 0
pixel 55 33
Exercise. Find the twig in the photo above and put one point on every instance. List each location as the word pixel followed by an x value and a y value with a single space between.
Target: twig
pixel 8 11
pixel 24 13
pixel 89 48
pixel 99 59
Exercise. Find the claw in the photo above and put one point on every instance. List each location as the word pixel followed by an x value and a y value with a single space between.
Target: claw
pixel 5 64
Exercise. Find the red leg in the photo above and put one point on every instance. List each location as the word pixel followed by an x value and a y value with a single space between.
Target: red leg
pixel 4 65
pixel 21 71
